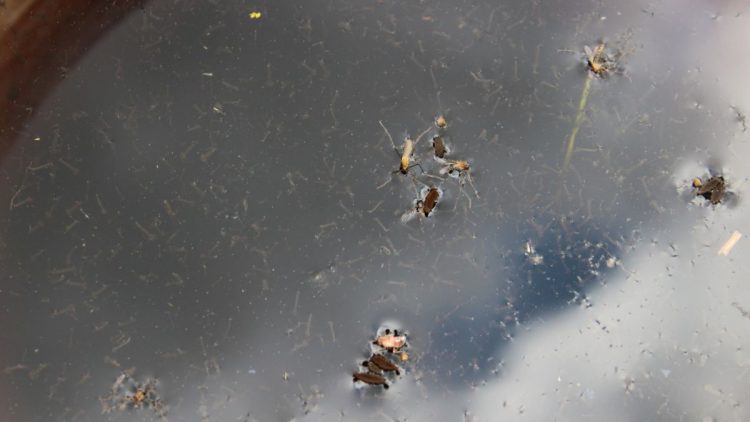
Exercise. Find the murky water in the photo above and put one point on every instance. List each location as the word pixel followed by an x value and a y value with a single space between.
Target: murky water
pixel 209 200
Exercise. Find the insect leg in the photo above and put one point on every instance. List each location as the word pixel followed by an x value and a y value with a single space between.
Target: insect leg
pixel 471 183
pixel 422 134
pixel 416 165
pixel 389 135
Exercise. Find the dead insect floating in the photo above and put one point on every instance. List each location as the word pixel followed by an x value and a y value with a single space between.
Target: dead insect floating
pixel 425 203
pixel 142 395
pixel 460 169
pixel 713 189
pixel 406 154
pixel 139 396
pixel 428 204
pixel 406 151
pixel 391 341
pixel 381 363
pixel 129 394
pixel 457 166
pixel 370 378
pixel 439 146
pixel 597 60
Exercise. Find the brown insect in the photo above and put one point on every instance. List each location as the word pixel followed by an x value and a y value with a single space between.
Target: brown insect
pixel 406 151
pixel 390 341
pixel 424 204
pixel 371 367
pixel 439 146
pixel 713 189
pixel 381 363
pixel 597 61
pixel 370 378
pixel 428 204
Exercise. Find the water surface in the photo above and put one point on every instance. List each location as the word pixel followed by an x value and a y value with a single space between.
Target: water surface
pixel 209 200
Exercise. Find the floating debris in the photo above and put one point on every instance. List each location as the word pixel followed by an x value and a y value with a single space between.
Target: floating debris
pixel 741 117
pixel 729 244
pixel 530 252
pixel 255 15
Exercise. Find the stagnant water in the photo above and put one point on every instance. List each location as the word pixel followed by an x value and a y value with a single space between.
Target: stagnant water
pixel 209 201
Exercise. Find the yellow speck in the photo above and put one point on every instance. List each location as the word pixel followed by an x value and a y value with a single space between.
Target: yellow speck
pixel 286 375
pixel 255 14
pixel 729 244
pixel 404 356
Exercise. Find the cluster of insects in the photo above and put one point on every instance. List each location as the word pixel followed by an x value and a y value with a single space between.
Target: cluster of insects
pixel 127 393
pixel 427 198
pixel 378 365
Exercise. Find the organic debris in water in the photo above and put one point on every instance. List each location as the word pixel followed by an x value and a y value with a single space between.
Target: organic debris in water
pixel 530 252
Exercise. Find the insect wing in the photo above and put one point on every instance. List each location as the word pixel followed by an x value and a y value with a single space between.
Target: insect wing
pixel 589 53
